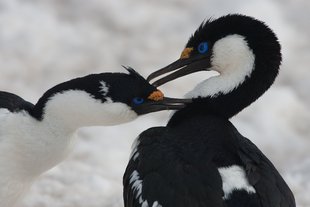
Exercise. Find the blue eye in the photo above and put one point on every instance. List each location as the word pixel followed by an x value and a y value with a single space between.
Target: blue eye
pixel 138 100
pixel 203 47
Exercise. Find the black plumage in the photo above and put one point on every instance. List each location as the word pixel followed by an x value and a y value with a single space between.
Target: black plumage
pixel 14 103
pixel 120 88
pixel 180 164
pixel 179 167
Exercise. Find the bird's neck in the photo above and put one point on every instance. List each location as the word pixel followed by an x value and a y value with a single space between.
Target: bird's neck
pixel 33 147
pixel 42 144
pixel 73 109
pixel 244 75
pixel 69 111
pixel 229 104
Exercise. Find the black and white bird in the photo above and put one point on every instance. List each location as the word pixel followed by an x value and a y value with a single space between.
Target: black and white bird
pixel 34 138
pixel 200 159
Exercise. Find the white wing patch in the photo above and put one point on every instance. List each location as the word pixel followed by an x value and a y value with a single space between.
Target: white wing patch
pixel 234 178
pixel 135 181
pixel 104 88
pixel 136 186
pixel 156 204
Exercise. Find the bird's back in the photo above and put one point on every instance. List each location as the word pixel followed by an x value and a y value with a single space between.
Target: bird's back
pixel 13 102
pixel 203 162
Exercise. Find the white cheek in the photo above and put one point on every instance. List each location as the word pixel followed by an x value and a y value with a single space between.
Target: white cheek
pixel 232 55
pixel 234 60
pixel 76 109
pixel 117 113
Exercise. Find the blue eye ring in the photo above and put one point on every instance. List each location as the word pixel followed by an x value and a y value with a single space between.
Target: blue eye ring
pixel 203 47
pixel 138 100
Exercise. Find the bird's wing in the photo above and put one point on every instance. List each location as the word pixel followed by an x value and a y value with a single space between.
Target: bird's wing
pixel 13 102
pixel 268 183
pixel 157 175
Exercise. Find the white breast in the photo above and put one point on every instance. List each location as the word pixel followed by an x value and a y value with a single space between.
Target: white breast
pixel 27 149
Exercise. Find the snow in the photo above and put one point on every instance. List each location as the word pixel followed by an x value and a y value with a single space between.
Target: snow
pixel 45 42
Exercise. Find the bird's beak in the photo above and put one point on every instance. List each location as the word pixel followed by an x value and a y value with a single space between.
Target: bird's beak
pixel 160 105
pixel 179 68
pixel 157 102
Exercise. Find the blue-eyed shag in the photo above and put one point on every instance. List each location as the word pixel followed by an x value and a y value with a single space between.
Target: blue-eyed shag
pixel 200 159
pixel 34 138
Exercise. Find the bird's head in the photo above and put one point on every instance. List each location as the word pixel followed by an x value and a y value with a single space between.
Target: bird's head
pixel 244 51
pixel 102 99
pixel 136 93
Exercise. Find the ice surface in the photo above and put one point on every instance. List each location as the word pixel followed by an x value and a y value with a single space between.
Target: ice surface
pixel 43 43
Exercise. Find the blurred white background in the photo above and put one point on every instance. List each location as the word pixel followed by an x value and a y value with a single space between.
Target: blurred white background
pixel 45 42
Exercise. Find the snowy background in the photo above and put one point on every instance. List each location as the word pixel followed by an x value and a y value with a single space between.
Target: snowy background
pixel 45 42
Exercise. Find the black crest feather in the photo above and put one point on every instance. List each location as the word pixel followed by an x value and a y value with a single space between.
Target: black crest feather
pixel 133 72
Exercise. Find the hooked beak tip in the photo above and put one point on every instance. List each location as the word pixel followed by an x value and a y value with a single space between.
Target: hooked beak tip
pixel 179 68
pixel 165 104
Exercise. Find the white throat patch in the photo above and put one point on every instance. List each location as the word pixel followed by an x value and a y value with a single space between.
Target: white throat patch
pixel 234 60
pixel 76 108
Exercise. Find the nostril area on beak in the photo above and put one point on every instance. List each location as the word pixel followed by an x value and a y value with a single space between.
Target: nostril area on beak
pixel 156 96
